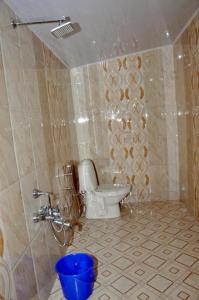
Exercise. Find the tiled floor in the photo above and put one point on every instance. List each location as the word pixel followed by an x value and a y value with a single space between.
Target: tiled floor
pixel 151 252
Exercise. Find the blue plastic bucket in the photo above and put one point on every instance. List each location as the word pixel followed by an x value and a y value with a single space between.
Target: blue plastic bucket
pixel 76 274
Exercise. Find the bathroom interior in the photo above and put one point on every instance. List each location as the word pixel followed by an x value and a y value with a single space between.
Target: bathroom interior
pixel 119 91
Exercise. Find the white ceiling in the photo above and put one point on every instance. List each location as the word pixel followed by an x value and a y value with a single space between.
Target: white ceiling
pixel 109 28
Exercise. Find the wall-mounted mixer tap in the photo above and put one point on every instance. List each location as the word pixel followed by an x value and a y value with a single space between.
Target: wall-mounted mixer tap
pixel 49 213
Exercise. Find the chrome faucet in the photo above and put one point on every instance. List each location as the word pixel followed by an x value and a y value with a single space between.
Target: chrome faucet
pixel 48 213
pixel 37 193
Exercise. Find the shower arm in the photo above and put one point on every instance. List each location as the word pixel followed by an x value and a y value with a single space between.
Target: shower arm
pixel 16 23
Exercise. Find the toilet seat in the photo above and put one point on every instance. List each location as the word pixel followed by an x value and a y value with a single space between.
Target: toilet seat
pixel 106 190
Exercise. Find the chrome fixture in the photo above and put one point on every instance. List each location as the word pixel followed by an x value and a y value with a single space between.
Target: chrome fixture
pixel 52 215
pixel 46 213
pixel 15 22
pixel 37 193
pixel 64 29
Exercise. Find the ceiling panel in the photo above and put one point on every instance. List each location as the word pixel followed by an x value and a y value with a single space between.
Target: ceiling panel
pixel 109 28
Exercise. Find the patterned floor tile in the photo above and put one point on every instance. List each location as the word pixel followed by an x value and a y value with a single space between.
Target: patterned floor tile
pixel 106 274
pixel 141 272
pixel 188 236
pixel 122 247
pixel 123 284
pixel 143 294
pixel 104 294
pixel 109 240
pixel 157 226
pixel 182 293
pixel 138 253
pixel 150 245
pixel 148 256
pixel 172 230
pixel 159 283
pixel 192 249
pixel 162 237
pixel 173 270
pixel 195 228
pixel 178 243
pixel 94 247
pixel 123 263
pixel 167 220
pixel 122 233
pixel 135 239
pixel 192 280
pixel 147 232
pixel 167 252
pixel 154 262
pixel 108 255
pixel 181 224
pixel 186 260
pixel 97 234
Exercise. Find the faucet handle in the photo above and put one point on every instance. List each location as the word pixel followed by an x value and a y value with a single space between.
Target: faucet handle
pixel 36 218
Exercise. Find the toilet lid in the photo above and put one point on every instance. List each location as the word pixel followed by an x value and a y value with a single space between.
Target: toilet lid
pixel 109 189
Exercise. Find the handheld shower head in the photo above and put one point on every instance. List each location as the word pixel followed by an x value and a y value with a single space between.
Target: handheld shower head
pixel 63 30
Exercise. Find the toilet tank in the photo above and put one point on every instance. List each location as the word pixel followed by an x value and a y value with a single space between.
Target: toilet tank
pixel 87 176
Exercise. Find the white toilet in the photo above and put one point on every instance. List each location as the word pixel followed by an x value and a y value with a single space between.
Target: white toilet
pixel 102 201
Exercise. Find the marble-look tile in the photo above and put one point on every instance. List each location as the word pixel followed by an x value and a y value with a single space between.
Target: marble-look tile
pixel 24 276
pixel 31 205
pixel 26 48
pixel 159 188
pixel 16 89
pixel 38 52
pixel 91 111
pixel 22 142
pixel 12 215
pixel 41 264
pixel 35 95
pixel 54 251
pixel 8 169
pixel 39 146
pixel 186 65
pixel 153 77
pixel 3 98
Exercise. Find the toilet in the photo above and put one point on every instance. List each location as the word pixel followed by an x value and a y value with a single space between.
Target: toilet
pixel 102 201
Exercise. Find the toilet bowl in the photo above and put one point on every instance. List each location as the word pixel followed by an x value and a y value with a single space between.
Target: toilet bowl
pixel 102 201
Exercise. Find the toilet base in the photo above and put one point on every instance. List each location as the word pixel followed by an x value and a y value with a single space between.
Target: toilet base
pixel 111 211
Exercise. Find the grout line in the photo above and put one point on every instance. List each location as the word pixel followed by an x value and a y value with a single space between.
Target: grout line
pixel 185 26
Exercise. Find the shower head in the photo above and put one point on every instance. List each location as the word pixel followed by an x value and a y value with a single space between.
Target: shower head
pixel 63 30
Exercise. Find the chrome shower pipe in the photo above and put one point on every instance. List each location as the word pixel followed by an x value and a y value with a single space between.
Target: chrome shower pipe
pixel 16 23
pixel 37 193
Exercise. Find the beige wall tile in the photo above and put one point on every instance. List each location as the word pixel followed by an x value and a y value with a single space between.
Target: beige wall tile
pixel 13 218
pixel 36 98
pixel 24 277
pixel 41 264
pixel 8 168
pixel 120 105
pixel 186 69
pixel 22 142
